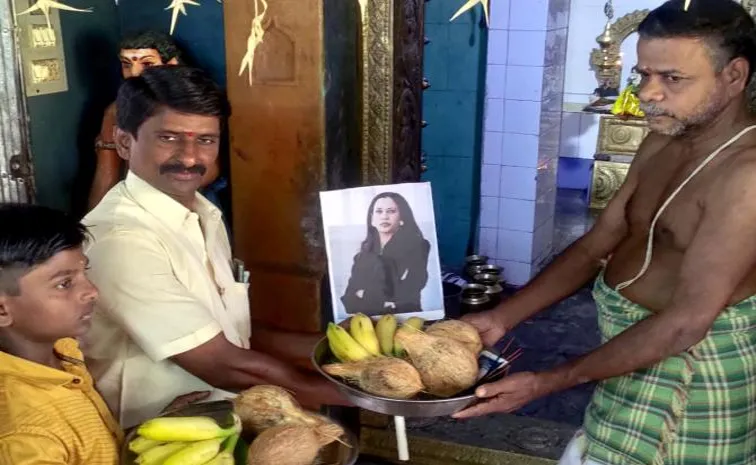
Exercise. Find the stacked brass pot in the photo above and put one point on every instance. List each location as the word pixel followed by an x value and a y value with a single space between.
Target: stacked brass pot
pixel 484 289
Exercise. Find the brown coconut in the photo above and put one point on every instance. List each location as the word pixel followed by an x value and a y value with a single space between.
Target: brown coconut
pixel 265 406
pixel 291 444
pixel 446 366
pixel 384 376
pixel 460 331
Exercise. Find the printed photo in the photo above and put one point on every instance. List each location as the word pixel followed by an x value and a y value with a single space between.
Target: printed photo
pixel 383 251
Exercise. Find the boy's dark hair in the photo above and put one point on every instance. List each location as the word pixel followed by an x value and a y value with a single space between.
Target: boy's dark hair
pixel 155 40
pixel 180 88
pixel 724 25
pixel 29 236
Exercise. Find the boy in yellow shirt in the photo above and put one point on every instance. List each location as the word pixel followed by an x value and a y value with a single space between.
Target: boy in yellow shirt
pixel 50 412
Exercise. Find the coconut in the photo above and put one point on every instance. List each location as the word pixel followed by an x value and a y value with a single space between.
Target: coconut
pixel 459 331
pixel 384 376
pixel 264 406
pixel 446 366
pixel 291 444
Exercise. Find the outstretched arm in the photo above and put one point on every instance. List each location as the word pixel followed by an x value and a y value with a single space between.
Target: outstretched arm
pixel 723 246
pixel 577 265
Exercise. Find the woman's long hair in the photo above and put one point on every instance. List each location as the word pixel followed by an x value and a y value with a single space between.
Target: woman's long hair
pixel 409 227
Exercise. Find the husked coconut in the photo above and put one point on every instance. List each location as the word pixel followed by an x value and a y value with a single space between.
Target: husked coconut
pixel 264 406
pixel 446 366
pixel 460 331
pixel 291 444
pixel 385 376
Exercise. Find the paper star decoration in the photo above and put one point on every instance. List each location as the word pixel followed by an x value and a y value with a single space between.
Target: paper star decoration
pixel 255 38
pixel 687 4
pixel 179 6
pixel 45 5
pixel 469 5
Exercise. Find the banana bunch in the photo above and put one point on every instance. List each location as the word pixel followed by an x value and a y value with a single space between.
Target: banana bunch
pixel 185 441
pixel 365 340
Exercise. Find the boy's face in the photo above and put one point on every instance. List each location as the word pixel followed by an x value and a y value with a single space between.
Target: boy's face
pixel 56 300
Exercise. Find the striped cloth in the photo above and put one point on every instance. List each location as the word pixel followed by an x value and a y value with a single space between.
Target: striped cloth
pixel 698 407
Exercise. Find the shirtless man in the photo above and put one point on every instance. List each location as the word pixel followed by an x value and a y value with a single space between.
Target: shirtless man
pixel 136 53
pixel 677 371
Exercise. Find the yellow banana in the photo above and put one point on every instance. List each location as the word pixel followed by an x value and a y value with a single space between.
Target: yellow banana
pixel 385 329
pixel 363 331
pixel 196 453
pixel 157 454
pixel 140 445
pixel 226 457
pixel 185 429
pixel 343 346
pixel 415 323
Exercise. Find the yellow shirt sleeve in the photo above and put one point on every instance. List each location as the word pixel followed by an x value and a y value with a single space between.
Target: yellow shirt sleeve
pixel 140 291
pixel 32 448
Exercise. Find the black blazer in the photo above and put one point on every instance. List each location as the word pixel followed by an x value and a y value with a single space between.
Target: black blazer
pixel 397 275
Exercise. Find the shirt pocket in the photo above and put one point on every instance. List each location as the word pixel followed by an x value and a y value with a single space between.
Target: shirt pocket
pixel 236 300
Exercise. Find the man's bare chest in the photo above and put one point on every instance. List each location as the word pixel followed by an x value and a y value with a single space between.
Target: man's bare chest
pixel 679 220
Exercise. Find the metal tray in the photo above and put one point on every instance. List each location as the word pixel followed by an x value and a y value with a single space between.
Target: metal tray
pixel 421 407
pixel 332 454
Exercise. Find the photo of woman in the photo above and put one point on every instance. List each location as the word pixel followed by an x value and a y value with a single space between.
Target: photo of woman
pixel 391 268
pixel 382 251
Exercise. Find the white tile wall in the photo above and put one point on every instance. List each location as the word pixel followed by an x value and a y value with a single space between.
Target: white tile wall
pixel 522 117
pixel 499 14
pixel 492 148
pixel 514 137
pixel 516 215
pixel 515 273
pixel 496 77
pixel 524 83
pixel 519 150
pixel 527 48
pixel 490 180
pixel 514 245
pixel 489 212
pixel 487 242
pixel 518 183
pixel 528 15
pixel 498 46
pixel 494 117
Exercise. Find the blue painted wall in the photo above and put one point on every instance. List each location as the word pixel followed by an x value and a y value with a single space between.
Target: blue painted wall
pixel 453 107
pixel 199 33
pixel 63 126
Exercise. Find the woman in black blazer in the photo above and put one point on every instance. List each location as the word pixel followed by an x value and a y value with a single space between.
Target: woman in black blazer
pixel 391 268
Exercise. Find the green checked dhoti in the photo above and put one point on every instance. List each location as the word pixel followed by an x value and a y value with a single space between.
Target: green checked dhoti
pixel 695 408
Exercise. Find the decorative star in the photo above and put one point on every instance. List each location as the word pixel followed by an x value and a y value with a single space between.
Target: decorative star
pixel 255 38
pixel 687 4
pixel 45 5
pixel 469 5
pixel 179 6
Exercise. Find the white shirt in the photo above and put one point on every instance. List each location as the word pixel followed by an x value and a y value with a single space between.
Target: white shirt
pixel 166 286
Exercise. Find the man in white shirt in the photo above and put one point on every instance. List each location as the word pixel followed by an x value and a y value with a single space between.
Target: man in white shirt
pixel 172 318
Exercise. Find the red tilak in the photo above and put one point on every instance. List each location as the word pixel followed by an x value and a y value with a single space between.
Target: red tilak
pixel 190 133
